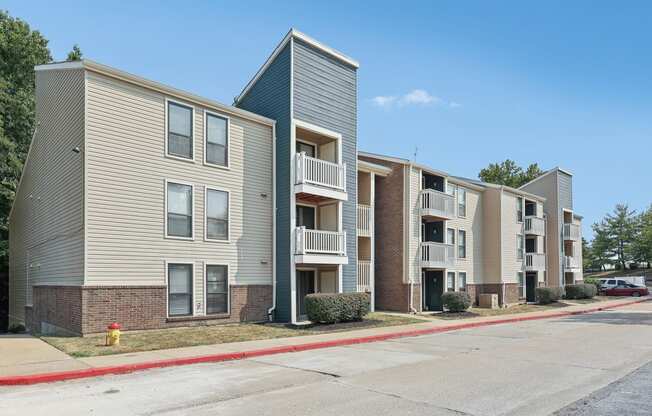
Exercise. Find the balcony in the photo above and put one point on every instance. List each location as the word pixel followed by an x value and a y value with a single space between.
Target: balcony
pixel 535 262
pixel 364 275
pixel 365 221
pixel 437 204
pixel 571 232
pixel 437 255
pixel 320 247
pixel 572 263
pixel 319 177
pixel 535 225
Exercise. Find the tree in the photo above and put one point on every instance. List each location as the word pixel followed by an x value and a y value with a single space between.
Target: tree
pixel 642 245
pixel 621 228
pixel 601 246
pixel 509 173
pixel 587 255
pixel 75 54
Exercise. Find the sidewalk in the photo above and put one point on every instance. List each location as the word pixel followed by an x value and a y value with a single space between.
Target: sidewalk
pixel 28 360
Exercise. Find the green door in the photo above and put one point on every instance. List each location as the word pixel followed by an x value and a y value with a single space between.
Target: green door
pixel 434 289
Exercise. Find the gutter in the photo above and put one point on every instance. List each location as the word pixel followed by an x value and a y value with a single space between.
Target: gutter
pixel 270 311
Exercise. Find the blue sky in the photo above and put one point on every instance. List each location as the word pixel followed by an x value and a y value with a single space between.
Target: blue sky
pixel 467 83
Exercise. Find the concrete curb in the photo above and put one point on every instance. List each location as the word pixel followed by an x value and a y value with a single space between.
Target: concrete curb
pixel 129 368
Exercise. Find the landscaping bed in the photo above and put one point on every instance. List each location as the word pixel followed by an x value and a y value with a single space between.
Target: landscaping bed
pixel 206 335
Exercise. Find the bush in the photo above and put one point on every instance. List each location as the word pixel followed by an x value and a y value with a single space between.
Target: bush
pixel 330 308
pixel 17 328
pixel 581 291
pixel 546 295
pixel 456 301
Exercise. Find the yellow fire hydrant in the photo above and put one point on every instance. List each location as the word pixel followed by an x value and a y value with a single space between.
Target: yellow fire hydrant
pixel 113 334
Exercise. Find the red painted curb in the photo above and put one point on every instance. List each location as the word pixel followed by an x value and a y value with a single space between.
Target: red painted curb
pixel 129 368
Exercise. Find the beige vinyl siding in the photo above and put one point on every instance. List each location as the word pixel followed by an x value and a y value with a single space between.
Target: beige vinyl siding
pixel 577 249
pixel 127 169
pixel 491 240
pixel 511 265
pixel 414 249
pixel 46 225
pixel 472 224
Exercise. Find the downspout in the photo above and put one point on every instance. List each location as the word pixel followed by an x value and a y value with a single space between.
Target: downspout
pixel 411 291
pixel 270 311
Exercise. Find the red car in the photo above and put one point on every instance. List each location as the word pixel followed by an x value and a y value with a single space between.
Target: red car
pixel 627 289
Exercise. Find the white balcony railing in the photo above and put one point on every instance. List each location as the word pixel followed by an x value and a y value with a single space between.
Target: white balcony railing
pixel 535 261
pixel 437 204
pixel 535 225
pixel 571 262
pixel 320 242
pixel 365 220
pixel 319 172
pixel 437 254
pixel 572 232
pixel 364 275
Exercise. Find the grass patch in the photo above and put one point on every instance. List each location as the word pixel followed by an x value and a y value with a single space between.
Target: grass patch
pixel 206 335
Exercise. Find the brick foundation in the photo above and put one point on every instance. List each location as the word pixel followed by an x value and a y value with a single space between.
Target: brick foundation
pixel 511 291
pixel 87 310
pixel 472 290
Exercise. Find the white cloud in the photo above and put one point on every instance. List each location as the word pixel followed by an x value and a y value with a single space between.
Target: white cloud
pixel 417 97
pixel 383 101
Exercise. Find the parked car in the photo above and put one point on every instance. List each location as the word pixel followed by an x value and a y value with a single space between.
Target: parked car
pixel 627 289
pixel 608 283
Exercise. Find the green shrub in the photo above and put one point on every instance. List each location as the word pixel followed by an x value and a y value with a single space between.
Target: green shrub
pixel 456 301
pixel 580 291
pixel 17 328
pixel 330 308
pixel 546 295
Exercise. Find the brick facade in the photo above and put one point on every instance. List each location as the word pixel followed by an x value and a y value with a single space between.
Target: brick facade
pixel 392 294
pixel 87 310
pixel 511 291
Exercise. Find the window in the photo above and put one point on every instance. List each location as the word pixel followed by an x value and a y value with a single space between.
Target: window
pixel 521 285
pixel 216 150
pixel 217 214
pixel 306 148
pixel 450 236
pixel 519 209
pixel 461 202
pixel 450 188
pixel 179 289
pixel 179 140
pixel 450 282
pixel 217 289
pixel 461 281
pixel 179 202
pixel 461 244
pixel 519 246
pixel 305 217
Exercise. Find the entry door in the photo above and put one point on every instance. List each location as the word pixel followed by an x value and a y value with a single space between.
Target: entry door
pixel 305 217
pixel 305 286
pixel 434 289
pixel 530 286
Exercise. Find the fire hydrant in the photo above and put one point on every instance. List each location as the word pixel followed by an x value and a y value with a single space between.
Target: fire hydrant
pixel 113 334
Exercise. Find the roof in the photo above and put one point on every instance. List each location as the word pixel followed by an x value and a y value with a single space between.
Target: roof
pixel 546 173
pixel 373 167
pixel 295 34
pixel 153 85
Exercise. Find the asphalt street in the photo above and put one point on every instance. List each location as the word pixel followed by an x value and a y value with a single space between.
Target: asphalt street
pixel 594 364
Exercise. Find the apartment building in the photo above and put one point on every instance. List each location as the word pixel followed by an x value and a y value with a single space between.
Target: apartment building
pixel 564 226
pixel 140 204
pixel 438 232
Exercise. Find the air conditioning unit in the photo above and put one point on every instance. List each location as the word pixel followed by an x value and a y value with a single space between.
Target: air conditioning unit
pixel 488 300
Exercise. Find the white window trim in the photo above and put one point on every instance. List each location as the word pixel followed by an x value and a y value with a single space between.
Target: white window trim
pixel 166 130
pixel 316 207
pixel 457 280
pixel 167 289
pixel 228 231
pixel 457 202
pixel 522 292
pixel 522 210
pixel 228 139
pixel 228 287
pixel 165 211
pixel 522 236
pixel 457 244
pixel 454 281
